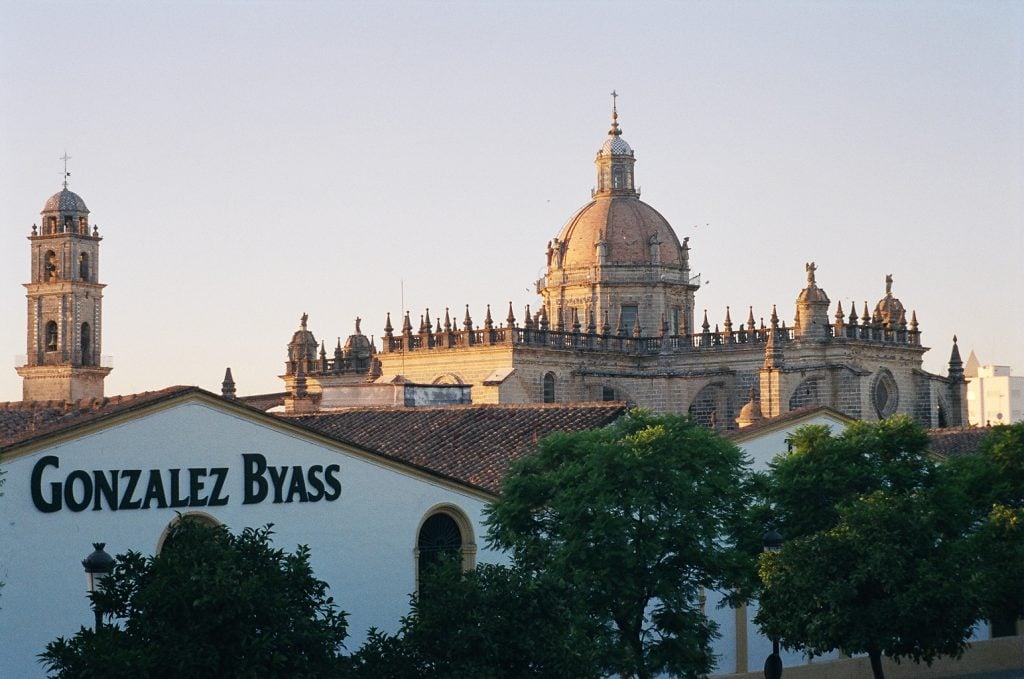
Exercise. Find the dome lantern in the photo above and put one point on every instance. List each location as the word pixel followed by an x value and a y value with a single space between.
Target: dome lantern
pixel 615 161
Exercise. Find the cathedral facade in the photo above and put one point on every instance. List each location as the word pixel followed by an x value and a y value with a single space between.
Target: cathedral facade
pixel 616 322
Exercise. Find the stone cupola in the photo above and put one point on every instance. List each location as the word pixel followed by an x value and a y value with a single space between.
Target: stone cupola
pixel 618 256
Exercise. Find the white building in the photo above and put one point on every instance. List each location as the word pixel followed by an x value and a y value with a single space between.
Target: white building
pixel 994 394
pixel 119 470
pixel 122 476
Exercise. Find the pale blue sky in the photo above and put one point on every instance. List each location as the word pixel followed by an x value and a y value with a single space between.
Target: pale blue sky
pixel 248 162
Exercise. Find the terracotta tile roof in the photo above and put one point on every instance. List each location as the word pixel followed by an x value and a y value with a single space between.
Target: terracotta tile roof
pixel 948 443
pixel 473 444
pixel 23 421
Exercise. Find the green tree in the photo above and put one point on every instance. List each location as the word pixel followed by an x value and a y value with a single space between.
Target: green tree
pixel 492 622
pixel 992 493
pixel 873 562
pixel 635 519
pixel 212 603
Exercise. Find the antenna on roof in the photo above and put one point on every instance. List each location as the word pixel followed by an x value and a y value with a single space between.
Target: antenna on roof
pixel 67 174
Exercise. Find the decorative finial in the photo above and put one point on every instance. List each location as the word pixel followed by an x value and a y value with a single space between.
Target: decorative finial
pixel 67 174
pixel 615 131
pixel 227 387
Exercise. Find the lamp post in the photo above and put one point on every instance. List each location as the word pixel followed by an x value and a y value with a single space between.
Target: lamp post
pixel 97 567
pixel 771 541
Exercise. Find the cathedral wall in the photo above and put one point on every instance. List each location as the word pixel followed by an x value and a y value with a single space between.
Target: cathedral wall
pixel 471 365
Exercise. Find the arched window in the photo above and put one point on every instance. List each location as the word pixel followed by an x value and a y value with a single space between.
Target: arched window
pixel 83 266
pixel 710 407
pixel 50 266
pixel 885 395
pixel 51 336
pixel 167 536
pixel 86 344
pixel 549 388
pixel 445 534
pixel 807 393
pixel 618 177
pixel 439 538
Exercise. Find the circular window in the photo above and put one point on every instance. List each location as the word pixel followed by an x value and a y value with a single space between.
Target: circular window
pixel 886 395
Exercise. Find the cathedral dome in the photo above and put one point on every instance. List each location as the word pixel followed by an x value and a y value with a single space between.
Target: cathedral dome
pixel 751 412
pixel 616 145
pixel 303 344
pixel 358 344
pixel 890 309
pixel 617 230
pixel 65 201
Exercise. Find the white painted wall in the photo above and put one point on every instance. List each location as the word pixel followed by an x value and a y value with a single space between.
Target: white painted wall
pixel 362 543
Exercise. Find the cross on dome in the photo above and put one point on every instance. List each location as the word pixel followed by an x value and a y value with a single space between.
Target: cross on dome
pixel 67 174
pixel 615 131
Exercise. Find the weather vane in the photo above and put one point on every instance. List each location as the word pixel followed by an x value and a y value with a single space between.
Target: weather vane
pixel 67 174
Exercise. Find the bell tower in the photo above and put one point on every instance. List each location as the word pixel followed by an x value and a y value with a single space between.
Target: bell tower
pixel 65 313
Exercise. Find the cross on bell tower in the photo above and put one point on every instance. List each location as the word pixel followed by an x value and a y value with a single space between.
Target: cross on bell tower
pixel 64 320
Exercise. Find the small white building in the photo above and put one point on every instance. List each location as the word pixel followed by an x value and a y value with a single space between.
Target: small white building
pixel 994 394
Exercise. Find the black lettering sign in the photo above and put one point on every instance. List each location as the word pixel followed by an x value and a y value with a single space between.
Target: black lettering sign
pixel 70 500
pixel 41 503
pixel 277 475
pixel 154 491
pixel 177 500
pixel 254 486
pixel 333 482
pixel 313 476
pixel 219 474
pixel 195 486
pixel 297 487
pixel 133 480
pixel 124 489
pixel 105 489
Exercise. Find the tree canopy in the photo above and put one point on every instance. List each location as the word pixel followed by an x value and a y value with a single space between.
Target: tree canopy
pixel 874 562
pixel 510 624
pixel 635 519
pixel 992 504
pixel 212 603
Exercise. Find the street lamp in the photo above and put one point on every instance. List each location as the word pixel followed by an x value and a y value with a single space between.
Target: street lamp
pixel 97 567
pixel 772 542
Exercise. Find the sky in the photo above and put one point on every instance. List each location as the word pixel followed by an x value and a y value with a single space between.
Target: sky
pixel 248 162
